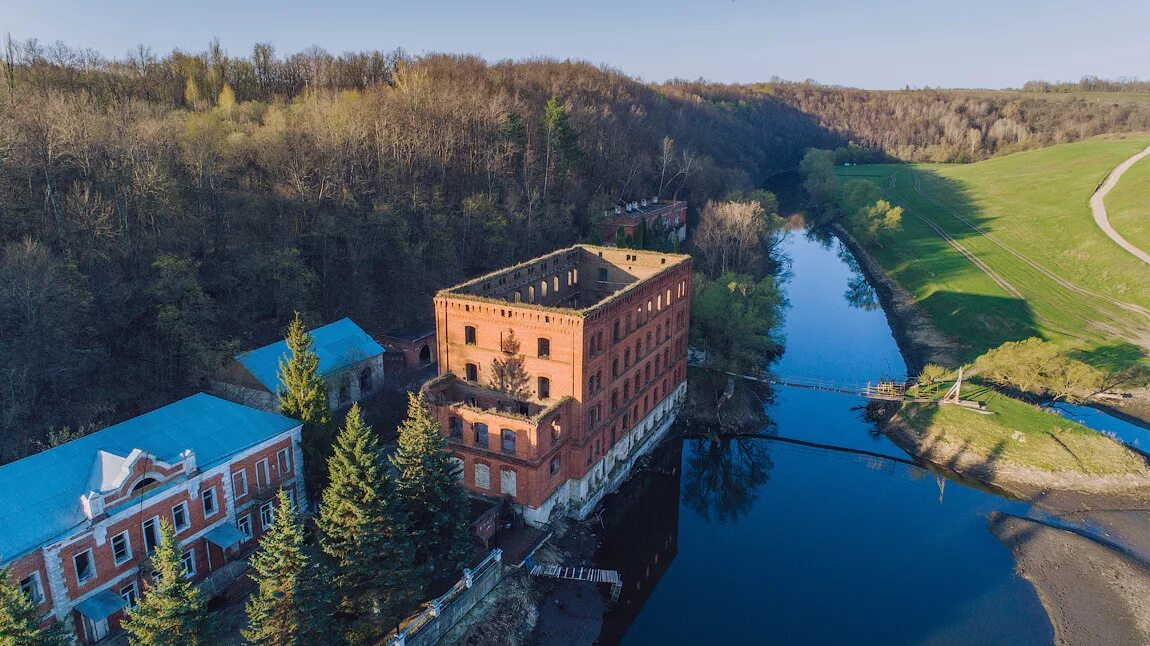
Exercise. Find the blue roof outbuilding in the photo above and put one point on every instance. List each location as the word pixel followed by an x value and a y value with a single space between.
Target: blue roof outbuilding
pixel 338 345
pixel 41 493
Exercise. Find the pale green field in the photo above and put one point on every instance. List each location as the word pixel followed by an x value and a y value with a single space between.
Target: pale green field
pixel 1040 265
pixel 1128 205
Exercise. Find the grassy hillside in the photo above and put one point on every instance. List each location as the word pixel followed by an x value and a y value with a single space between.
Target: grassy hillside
pixel 1006 248
pixel 1128 205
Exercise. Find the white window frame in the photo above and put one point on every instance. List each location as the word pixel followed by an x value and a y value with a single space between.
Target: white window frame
pixel 290 492
pixel 209 493
pixel 155 533
pixel 91 566
pixel 243 475
pixel 187 517
pixel 283 462
pixel 127 546
pixel 244 524
pixel 36 594
pixel 188 560
pixel 263 467
pixel 130 594
pixel 267 515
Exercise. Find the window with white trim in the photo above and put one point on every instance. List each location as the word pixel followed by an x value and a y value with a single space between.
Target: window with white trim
pixel 121 548
pixel 32 589
pixel 85 566
pixel 188 560
pixel 130 594
pixel 151 529
pixel 263 477
pixel 244 523
pixel 240 484
pixel 180 518
pixel 267 517
pixel 208 499
pixel 283 461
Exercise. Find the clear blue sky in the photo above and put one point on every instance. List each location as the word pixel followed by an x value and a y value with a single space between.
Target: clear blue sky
pixel 873 44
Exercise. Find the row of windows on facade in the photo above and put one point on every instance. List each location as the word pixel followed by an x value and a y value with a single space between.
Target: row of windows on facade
pixel 623 327
pixel 84 563
pixel 649 399
pixel 508 438
pixel 572 279
pixel 543 345
pixel 508 479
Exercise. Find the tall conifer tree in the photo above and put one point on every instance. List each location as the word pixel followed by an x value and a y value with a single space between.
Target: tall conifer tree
pixel 290 607
pixel 428 484
pixel 303 396
pixel 363 529
pixel 19 622
pixel 171 610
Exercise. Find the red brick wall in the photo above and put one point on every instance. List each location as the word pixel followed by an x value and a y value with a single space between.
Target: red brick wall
pixel 581 347
pixel 24 566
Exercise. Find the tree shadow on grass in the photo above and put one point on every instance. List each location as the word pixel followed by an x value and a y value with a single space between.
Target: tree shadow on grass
pixel 1112 356
pixel 981 322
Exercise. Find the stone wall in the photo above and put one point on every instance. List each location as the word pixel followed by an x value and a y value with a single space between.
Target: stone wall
pixel 442 614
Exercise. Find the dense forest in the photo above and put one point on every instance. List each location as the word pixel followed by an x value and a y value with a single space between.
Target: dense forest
pixel 158 214
pixel 959 125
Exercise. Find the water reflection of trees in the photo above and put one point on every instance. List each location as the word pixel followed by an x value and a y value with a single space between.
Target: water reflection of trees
pixel 721 476
pixel 859 292
pixel 724 468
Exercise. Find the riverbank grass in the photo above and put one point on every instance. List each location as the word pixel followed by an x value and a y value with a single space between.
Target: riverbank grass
pixel 1018 435
pixel 1009 212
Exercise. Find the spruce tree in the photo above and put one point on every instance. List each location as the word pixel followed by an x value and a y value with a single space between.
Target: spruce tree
pixel 290 607
pixel 509 375
pixel 171 610
pixel 303 396
pixel 363 529
pixel 427 481
pixel 19 622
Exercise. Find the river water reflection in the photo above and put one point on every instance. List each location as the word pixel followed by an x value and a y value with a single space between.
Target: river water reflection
pixel 752 540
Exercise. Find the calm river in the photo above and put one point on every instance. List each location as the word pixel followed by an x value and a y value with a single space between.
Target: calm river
pixel 761 541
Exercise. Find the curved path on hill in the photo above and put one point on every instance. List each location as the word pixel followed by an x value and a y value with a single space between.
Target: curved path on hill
pixel 1099 208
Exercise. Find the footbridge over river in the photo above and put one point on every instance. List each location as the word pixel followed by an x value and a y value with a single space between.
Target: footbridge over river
pixel 882 390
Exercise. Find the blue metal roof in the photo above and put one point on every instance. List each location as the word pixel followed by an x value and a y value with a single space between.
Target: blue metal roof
pixel 338 345
pixel 101 605
pixel 41 493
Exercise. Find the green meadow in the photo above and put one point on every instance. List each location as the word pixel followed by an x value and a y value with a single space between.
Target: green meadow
pixel 1005 249
pixel 1128 205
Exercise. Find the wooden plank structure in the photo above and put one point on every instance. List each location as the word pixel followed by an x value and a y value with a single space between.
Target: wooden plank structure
pixel 553 571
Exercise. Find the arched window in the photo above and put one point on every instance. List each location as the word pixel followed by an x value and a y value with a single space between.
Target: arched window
pixel 143 483
pixel 472 372
pixel 614 400
pixel 469 335
pixel 647 373
pixel 627 358
pixel 615 368
pixel 480 434
pixel 531 293
pixel 507 441
pixel 455 427
pixel 544 388
pixel 543 289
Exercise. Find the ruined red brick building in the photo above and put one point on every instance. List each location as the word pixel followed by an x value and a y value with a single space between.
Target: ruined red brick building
pixel 669 216
pixel 602 336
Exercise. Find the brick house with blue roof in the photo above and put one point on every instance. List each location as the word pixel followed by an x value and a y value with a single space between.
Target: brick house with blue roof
pixel 78 521
pixel 350 362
